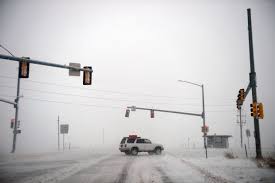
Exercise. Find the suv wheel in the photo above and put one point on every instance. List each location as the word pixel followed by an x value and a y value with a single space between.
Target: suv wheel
pixel 134 151
pixel 158 151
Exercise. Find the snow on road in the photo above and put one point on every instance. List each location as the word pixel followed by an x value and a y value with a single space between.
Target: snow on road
pixel 89 167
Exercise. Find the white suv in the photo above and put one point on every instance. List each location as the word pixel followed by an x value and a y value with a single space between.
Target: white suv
pixel 133 145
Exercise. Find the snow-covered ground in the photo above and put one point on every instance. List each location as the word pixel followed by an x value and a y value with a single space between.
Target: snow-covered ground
pixel 185 165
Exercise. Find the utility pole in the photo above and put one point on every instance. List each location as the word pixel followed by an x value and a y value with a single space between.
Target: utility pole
pixel 253 84
pixel 58 132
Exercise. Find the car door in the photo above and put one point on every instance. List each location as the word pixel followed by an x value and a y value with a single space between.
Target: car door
pixel 148 145
pixel 140 144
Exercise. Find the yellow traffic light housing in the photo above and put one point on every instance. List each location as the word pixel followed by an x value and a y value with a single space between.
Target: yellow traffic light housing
pixel 87 76
pixel 241 95
pixel 253 110
pixel 152 114
pixel 260 110
pixel 24 68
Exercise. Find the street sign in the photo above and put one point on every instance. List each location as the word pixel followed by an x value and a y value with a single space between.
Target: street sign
pixel 64 128
pixel 74 72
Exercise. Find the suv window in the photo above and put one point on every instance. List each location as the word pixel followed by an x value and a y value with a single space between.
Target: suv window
pixel 140 141
pixel 123 140
pixel 131 141
pixel 147 141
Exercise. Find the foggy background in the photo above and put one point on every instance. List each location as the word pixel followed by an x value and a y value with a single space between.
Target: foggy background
pixel 138 51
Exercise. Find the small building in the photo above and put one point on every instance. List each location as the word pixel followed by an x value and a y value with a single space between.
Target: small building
pixel 217 141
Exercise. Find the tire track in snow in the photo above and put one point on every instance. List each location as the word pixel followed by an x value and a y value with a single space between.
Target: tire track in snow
pixel 165 178
pixel 124 173
pixel 209 176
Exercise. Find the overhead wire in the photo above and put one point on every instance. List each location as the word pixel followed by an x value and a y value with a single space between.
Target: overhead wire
pixel 111 99
pixel 97 90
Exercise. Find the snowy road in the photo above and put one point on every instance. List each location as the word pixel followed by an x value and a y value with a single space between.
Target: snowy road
pixel 72 167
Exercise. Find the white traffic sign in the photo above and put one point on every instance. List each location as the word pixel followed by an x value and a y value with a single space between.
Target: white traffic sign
pixel 64 128
pixel 74 72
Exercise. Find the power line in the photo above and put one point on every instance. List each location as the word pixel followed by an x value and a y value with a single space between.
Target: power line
pixel 112 99
pixel 89 105
pixel 72 103
pixel 99 90
pixel 98 98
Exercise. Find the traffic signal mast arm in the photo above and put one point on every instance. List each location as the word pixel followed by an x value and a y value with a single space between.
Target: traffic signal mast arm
pixel 18 59
pixel 247 90
pixel 8 101
pixel 133 108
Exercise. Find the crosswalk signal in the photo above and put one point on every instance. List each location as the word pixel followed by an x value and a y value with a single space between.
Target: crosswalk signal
pixel 127 113
pixel 152 114
pixel 253 109
pixel 260 110
pixel 24 68
pixel 87 76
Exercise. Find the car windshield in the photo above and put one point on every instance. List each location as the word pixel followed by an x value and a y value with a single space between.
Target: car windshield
pixel 123 140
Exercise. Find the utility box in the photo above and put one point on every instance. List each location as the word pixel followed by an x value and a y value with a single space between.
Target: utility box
pixel 217 141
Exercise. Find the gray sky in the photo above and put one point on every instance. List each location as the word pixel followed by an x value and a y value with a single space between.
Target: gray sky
pixel 138 51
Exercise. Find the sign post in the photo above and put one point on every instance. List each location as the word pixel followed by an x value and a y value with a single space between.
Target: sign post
pixel 64 129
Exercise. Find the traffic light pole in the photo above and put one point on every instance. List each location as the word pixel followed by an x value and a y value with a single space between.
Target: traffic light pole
pixel 18 59
pixel 241 127
pixel 16 103
pixel 253 85
pixel 133 108
pixel 203 117
pixel 16 112
pixel 58 132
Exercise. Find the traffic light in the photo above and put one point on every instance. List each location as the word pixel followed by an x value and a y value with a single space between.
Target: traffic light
pixel 87 76
pixel 253 109
pixel 127 113
pixel 152 114
pixel 12 124
pixel 205 129
pixel 260 110
pixel 241 95
pixel 24 68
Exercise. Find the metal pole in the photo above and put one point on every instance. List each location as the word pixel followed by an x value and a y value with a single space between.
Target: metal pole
pixel 8 101
pixel 103 135
pixel 159 110
pixel 58 133
pixel 248 142
pixel 241 128
pixel 203 117
pixel 16 112
pixel 18 59
pixel 253 86
pixel 63 142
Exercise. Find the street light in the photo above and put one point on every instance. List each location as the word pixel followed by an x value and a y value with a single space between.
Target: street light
pixel 203 111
